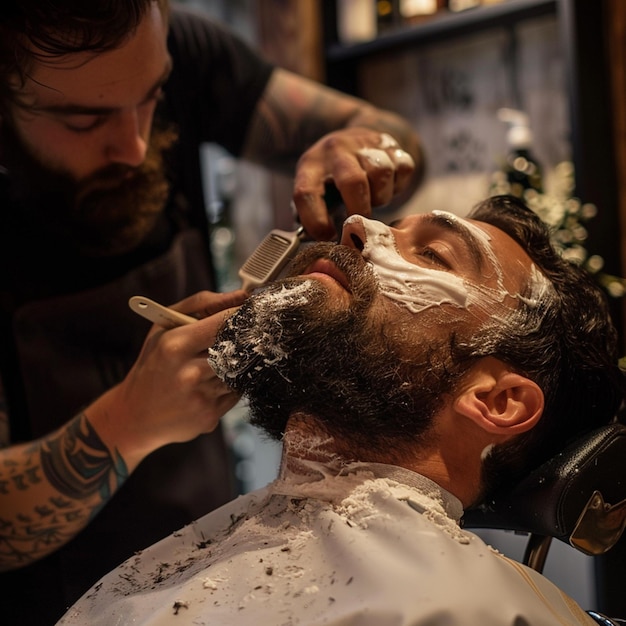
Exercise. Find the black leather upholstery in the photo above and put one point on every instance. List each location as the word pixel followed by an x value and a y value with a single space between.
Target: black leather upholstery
pixel 551 499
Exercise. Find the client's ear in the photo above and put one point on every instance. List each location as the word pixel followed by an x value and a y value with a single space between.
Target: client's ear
pixel 498 400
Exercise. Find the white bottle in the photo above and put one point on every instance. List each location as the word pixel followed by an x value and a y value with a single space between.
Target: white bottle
pixel 522 169
pixel 356 20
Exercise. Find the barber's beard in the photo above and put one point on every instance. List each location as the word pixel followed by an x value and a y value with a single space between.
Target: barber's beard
pixel 359 371
pixel 105 214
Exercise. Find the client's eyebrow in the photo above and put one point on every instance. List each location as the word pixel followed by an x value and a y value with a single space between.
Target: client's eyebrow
pixel 465 234
pixel 81 109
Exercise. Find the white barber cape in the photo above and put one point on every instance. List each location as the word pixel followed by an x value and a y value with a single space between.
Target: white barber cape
pixel 374 546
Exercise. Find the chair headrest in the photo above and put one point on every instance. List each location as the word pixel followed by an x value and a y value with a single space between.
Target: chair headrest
pixel 579 496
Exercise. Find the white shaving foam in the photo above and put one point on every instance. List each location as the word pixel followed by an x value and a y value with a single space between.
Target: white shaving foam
pixel 380 158
pixel 387 141
pixel 227 361
pixel 403 158
pixel 486 451
pixel 418 288
pixel 377 157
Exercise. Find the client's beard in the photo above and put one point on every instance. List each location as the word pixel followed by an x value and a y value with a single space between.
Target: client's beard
pixel 105 214
pixel 360 372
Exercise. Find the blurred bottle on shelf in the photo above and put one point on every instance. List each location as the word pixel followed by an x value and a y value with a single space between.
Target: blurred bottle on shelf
pixel 462 5
pixel 414 11
pixel 387 15
pixel 363 20
pixel 356 20
pixel 521 168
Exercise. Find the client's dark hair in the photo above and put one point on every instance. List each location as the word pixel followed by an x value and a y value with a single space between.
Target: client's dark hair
pixel 54 28
pixel 566 343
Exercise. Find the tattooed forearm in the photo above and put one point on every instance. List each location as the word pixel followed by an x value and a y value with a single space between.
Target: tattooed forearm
pixel 294 113
pixel 282 134
pixel 78 464
pixel 50 489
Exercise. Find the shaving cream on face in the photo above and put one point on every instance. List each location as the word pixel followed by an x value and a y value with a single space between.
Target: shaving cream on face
pixel 486 451
pixel 539 286
pixel 414 287
pixel 262 337
pixel 484 241
pixel 418 288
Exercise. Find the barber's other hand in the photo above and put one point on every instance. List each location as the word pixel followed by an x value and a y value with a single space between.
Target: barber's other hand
pixel 171 394
pixel 367 167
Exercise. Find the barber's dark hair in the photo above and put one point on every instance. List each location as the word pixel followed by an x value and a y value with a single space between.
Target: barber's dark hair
pixel 569 347
pixel 54 28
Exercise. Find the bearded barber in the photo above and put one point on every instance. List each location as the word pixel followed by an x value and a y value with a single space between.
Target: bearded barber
pixel 101 117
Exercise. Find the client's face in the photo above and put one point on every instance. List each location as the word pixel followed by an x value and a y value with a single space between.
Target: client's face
pixel 360 336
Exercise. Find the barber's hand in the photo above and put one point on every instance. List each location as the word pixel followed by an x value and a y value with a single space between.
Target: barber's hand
pixel 367 167
pixel 171 394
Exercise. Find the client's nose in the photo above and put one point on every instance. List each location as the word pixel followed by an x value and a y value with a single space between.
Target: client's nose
pixel 353 234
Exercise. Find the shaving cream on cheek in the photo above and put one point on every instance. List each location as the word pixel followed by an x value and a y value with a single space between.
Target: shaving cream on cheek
pixel 417 288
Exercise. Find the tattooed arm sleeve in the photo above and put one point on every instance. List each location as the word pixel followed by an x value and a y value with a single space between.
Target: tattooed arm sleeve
pixel 51 488
pixel 295 112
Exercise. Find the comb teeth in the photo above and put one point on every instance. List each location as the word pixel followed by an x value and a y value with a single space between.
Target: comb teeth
pixel 271 255
pixel 265 257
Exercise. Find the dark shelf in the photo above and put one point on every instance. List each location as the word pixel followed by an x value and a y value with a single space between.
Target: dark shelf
pixel 445 26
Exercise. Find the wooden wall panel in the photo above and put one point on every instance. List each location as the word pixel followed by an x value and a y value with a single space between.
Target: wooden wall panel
pixel 290 35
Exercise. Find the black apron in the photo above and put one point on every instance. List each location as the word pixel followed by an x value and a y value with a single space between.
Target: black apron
pixel 70 349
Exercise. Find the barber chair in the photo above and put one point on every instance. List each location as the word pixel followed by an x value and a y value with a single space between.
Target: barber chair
pixel 578 497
